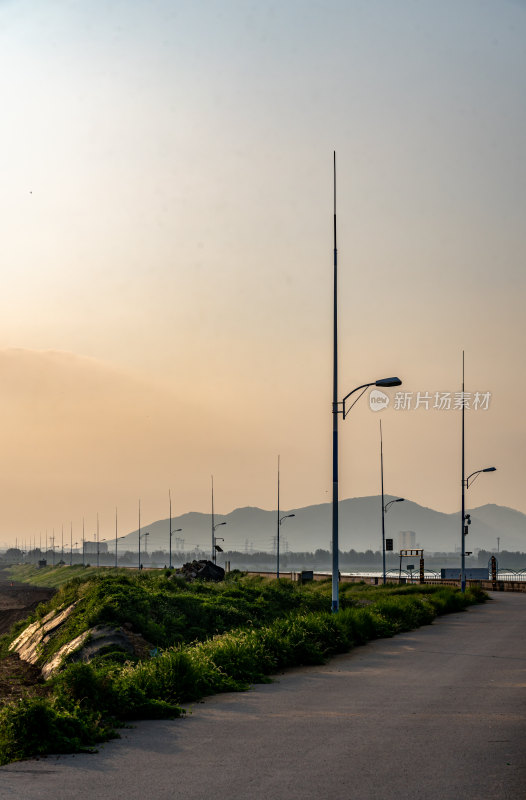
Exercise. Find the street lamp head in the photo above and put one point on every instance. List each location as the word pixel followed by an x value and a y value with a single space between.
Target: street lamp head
pixel 490 469
pixel 400 500
pixel 386 382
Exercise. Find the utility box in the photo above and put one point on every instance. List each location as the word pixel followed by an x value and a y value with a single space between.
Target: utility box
pixel 306 575
pixel 42 563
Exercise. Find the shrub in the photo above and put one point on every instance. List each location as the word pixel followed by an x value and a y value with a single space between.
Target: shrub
pixel 32 727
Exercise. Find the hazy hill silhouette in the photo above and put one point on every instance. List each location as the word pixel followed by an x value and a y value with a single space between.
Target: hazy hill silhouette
pixel 360 528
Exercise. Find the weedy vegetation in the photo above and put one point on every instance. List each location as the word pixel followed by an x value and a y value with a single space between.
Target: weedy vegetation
pixel 205 638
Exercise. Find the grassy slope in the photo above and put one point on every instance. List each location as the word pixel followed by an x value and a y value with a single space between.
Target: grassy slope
pixel 211 638
pixel 52 577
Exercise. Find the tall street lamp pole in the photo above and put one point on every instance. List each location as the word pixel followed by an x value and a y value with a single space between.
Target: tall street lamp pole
pixel 139 534
pixel 97 539
pixel 385 382
pixel 383 506
pixel 335 573
pixel 463 499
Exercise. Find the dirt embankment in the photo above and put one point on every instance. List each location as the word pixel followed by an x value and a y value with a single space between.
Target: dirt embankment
pixel 17 601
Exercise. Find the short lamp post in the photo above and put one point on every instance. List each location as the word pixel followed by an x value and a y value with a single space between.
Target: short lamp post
pixel 385 506
pixel 116 553
pixel 142 536
pixel 214 540
pixel 171 532
pixel 384 512
pixel 466 520
pixel 176 530
pixel 214 526
pixel 280 520
pixel 98 550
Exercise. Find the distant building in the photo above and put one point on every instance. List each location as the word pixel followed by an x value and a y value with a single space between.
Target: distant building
pixel 406 540
pixel 90 548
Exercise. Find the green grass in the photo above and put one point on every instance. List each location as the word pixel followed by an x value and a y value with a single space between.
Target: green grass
pixel 52 577
pixel 211 638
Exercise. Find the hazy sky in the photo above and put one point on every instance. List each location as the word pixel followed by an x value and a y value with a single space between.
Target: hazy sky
pixel 166 251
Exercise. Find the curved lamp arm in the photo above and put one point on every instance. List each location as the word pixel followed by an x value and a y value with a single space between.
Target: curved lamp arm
pixel 383 383
pixel 477 472
pixel 398 500
pixel 219 525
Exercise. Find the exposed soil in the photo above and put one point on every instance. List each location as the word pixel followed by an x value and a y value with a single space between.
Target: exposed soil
pixel 17 601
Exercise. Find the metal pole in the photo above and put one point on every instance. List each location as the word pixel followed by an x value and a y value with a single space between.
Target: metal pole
pixel 383 505
pixel 277 537
pixel 98 557
pixel 139 535
pixel 213 526
pixel 335 566
pixel 463 503
pixel 83 544
pixel 71 544
pixel 170 546
pixel 116 529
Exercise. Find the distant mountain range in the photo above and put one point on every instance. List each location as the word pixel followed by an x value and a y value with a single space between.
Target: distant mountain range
pixel 360 528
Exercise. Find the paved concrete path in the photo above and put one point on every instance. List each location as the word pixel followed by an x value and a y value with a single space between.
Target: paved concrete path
pixel 437 713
